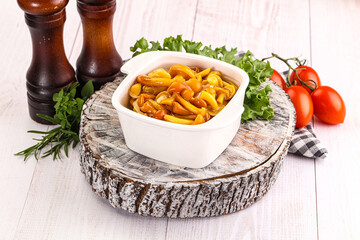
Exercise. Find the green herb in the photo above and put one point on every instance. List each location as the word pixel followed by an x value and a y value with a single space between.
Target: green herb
pixel 256 102
pixel 68 109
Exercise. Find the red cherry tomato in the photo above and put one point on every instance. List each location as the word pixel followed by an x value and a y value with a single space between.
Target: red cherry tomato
pixel 278 79
pixel 302 103
pixel 329 107
pixel 308 75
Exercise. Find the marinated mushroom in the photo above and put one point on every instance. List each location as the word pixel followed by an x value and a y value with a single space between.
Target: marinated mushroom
pixel 182 94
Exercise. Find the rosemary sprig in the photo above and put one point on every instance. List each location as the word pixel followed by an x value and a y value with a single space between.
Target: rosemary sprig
pixel 68 113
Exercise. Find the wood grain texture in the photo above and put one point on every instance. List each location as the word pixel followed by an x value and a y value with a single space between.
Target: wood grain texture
pixel 71 211
pixel 243 173
pixel 262 26
pixel 15 176
pixel 336 39
pixel 153 20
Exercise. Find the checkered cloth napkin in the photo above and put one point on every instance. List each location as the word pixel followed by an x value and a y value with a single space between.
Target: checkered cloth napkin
pixel 305 143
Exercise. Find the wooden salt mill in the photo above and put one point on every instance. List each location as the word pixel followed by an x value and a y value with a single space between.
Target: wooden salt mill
pixel 50 70
pixel 99 61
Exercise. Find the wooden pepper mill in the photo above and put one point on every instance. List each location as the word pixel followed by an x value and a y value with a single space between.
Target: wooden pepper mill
pixel 50 70
pixel 99 61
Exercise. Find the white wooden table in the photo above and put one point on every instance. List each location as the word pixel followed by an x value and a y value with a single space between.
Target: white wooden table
pixel 310 200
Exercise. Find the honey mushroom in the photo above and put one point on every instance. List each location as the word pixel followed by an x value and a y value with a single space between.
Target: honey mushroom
pixel 181 95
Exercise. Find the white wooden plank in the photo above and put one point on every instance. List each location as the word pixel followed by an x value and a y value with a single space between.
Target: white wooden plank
pixel 15 175
pixel 288 211
pixel 154 20
pixel 61 203
pixel 71 28
pixel 262 26
pixel 335 30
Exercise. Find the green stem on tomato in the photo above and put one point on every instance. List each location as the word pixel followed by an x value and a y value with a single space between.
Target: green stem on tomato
pixel 307 85
pixel 267 58
pixel 286 61
pixel 297 60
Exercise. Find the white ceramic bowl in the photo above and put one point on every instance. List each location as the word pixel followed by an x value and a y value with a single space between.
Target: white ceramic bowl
pixel 193 146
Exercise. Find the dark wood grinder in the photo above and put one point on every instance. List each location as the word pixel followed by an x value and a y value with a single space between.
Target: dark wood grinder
pixel 98 61
pixel 50 70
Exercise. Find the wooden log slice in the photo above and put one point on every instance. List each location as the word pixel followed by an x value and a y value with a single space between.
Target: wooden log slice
pixel 240 176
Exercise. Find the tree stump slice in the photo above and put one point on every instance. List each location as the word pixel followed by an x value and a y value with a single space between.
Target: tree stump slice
pixel 240 176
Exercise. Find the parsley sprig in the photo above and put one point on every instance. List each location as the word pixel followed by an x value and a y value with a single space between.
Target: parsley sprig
pixel 68 109
pixel 256 102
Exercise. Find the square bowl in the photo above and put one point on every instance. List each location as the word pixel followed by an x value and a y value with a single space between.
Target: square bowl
pixel 193 146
